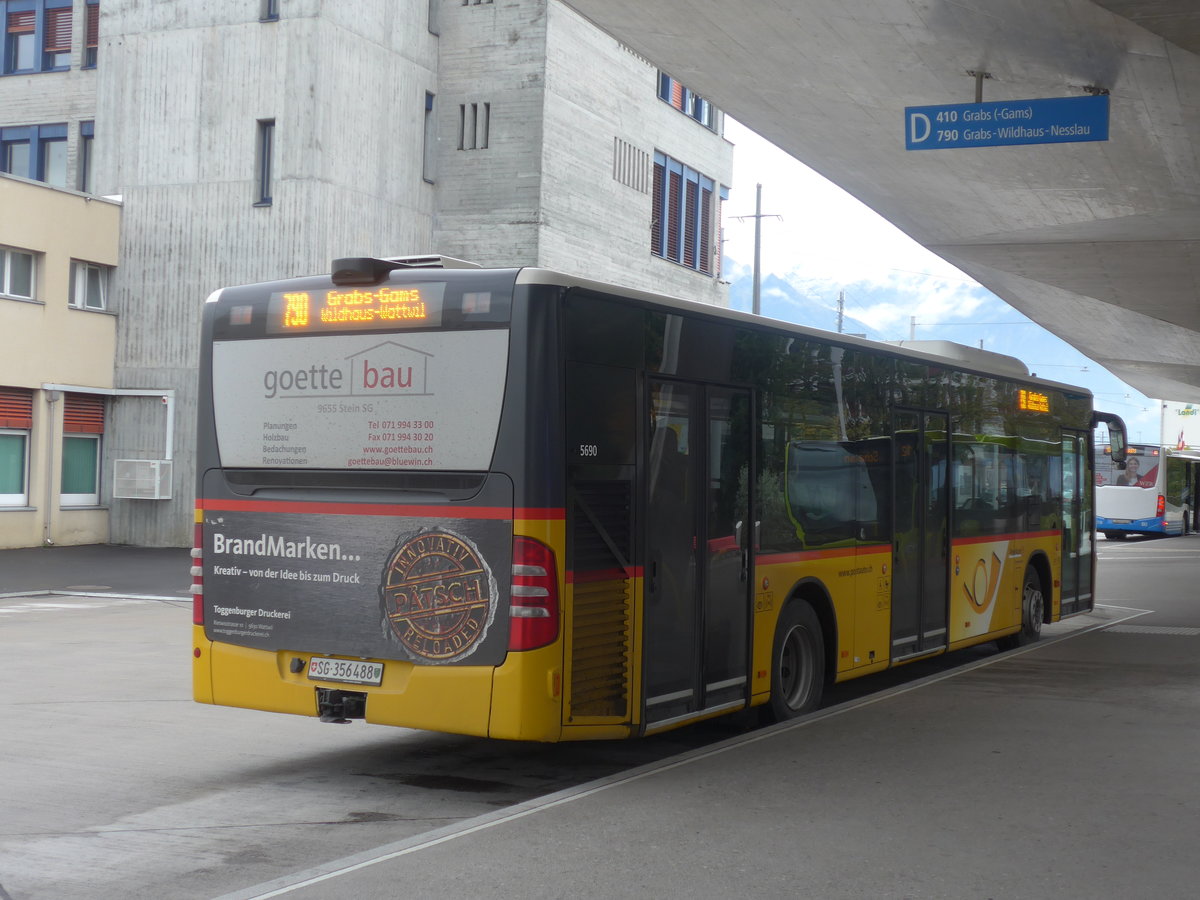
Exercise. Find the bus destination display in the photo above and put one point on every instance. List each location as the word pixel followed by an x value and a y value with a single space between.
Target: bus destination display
pixel 347 309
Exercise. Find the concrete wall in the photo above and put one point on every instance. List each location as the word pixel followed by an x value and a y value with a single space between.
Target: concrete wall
pixel 489 201
pixel 183 87
pixel 47 342
pixel 600 95
pixel 562 97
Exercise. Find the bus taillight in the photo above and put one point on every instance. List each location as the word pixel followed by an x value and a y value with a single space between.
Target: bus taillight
pixel 534 607
pixel 198 576
pixel 1161 509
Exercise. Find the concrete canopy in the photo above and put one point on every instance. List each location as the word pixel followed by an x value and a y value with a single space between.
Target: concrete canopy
pixel 1098 242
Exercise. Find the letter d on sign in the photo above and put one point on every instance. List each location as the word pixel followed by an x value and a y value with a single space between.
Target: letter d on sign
pixel 919 128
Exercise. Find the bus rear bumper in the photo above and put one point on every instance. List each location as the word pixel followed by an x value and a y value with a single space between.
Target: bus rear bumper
pixel 442 698
pixel 519 700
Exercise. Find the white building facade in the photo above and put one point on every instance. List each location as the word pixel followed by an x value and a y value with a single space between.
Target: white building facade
pixel 260 139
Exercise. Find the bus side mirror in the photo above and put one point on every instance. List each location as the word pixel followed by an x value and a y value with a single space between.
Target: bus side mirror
pixel 1117 441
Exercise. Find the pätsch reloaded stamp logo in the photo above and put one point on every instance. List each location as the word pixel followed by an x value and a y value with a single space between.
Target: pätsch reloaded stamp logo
pixel 438 596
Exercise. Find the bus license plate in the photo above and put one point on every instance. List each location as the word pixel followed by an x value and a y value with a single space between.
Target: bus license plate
pixel 347 671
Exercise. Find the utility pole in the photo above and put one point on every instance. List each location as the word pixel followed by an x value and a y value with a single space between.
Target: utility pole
pixel 757 217
pixel 841 309
pixel 757 306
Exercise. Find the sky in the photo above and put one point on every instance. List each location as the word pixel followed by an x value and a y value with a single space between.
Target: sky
pixel 825 242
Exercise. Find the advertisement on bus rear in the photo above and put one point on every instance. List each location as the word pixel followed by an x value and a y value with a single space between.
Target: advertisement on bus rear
pixel 417 401
pixel 361 582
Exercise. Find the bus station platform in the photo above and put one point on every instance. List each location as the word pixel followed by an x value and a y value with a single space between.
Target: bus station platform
pixel 1065 769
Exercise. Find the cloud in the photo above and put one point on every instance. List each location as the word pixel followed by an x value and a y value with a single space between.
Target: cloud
pixel 825 240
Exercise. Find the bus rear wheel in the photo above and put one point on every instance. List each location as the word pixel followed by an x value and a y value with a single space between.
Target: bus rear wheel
pixel 1033 613
pixel 797 663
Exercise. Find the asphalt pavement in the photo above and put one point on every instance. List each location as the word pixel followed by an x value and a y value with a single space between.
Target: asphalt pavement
pixel 96 569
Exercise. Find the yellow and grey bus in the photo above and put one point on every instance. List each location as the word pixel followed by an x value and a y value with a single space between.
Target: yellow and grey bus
pixel 520 504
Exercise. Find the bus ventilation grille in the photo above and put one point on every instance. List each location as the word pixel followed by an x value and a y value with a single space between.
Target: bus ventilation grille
pixel 602 606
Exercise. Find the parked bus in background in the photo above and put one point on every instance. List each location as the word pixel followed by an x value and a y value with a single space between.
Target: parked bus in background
pixel 1155 494
pixel 520 504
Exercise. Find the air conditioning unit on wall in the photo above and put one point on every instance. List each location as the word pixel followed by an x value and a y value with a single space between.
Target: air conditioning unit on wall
pixel 142 479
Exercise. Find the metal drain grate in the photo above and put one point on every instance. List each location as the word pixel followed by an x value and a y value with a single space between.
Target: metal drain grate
pixel 1181 630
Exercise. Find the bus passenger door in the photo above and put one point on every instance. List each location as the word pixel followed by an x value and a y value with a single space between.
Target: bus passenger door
pixel 698 535
pixel 1077 534
pixel 920 565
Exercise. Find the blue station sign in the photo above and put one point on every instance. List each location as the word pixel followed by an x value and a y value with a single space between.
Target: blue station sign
pixel 1003 123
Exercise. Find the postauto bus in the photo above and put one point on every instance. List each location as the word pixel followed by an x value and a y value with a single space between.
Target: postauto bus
pixel 522 504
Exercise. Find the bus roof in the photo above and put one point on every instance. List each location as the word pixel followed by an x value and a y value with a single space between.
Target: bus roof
pixel 958 356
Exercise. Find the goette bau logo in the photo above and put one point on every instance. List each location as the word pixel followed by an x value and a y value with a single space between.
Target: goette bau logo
pixel 438 596
pixel 387 369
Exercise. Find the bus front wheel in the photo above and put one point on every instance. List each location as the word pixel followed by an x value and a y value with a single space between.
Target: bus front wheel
pixel 1033 612
pixel 797 663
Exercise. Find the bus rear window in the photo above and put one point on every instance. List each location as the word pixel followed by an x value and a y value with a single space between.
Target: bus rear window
pixel 423 400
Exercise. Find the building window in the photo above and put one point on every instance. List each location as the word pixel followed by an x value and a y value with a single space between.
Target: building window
pixel 87 131
pixel 19 38
pixel 35 151
pixel 474 123
pixel 52 166
pixel 686 101
pixel 16 274
pixel 83 425
pixel 92 36
pixel 56 38
pixel 16 420
pixel 269 11
pixel 37 36
pixel 263 161
pixel 682 215
pixel 14 153
pixel 429 149
pixel 89 285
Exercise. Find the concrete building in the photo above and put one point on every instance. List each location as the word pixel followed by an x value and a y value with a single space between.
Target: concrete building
pixel 260 139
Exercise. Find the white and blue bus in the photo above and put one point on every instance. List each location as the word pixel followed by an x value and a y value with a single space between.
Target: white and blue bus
pixel 1154 495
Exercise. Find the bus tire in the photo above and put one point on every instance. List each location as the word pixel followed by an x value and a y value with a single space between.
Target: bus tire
pixel 797 663
pixel 1033 613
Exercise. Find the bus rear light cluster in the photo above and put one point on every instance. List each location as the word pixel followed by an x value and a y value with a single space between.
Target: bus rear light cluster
pixel 534 606
pixel 1161 509
pixel 198 576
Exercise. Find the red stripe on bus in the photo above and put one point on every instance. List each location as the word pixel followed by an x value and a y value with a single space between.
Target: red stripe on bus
pixel 384 509
pixel 1015 536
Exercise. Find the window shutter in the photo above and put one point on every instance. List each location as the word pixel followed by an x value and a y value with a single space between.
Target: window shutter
pixel 21 22
pixel 676 94
pixel 657 225
pixel 705 230
pixel 93 24
pixel 674 214
pixel 83 414
pixel 16 408
pixel 690 224
pixel 58 30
